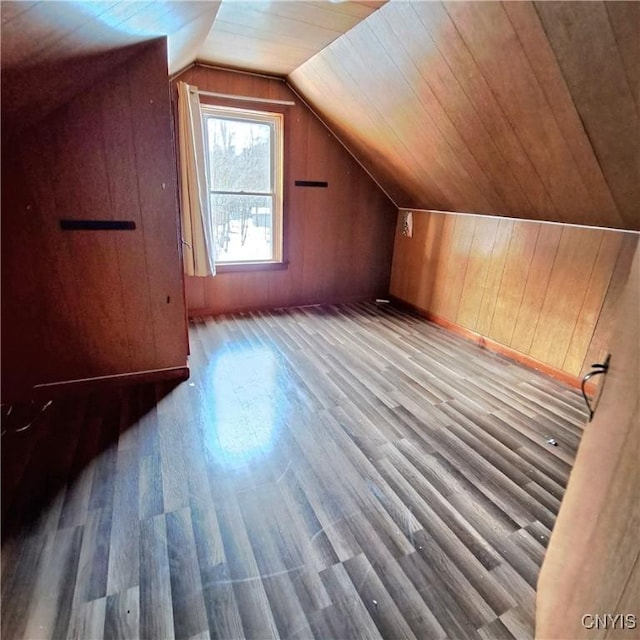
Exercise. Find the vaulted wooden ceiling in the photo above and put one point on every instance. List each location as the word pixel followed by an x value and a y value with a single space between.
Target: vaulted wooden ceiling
pixel 523 109
pixel 52 50
pixel 277 37
pixel 516 109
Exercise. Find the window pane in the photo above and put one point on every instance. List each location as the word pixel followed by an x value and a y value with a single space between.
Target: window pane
pixel 243 227
pixel 239 155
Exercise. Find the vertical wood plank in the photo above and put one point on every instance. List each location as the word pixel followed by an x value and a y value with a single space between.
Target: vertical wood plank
pixel 440 291
pixel 151 124
pixel 494 276
pixel 514 278
pixel 456 263
pixel 119 157
pixel 481 248
pixel 602 335
pixel 572 271
pixel 593 300
pixel 543 260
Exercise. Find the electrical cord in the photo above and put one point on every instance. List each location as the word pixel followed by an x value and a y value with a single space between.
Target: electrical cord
pixel 29 424
pixel 597 370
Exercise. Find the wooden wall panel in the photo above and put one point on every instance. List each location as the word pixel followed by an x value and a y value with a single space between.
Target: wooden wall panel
pixel 602 335
pixel 495 269
pixel 338 240
pixel 565 292
pixel 599 282
pixel 536 288
pixel 517 264
pixel 510 109
pixel 540 270
pixel 591 564
pixel 156 172
pixel 484 237
pixel 80 304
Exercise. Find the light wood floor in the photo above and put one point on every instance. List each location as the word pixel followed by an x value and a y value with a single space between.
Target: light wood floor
pixel 334 472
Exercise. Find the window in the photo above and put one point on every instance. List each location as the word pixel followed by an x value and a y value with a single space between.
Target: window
pixel 244 174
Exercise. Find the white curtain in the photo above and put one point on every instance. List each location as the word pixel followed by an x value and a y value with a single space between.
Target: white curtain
pixel 198 246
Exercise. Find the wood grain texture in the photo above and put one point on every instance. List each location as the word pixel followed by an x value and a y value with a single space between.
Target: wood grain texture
pixel 328 471
pixel 491 107
pixel 586 47
pixel 592 560
pixel 112 302
pixel 337 241
pixel 538 289
pixel 277 37
pixel 52 51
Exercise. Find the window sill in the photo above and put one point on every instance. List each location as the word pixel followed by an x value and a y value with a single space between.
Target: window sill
pixel 239 267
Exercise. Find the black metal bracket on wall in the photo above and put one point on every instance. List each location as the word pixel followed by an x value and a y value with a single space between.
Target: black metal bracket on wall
pixel 597 369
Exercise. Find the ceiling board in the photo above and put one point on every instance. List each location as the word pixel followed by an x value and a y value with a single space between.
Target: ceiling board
pixel 511 109
pixel 52 50
pixel 39 33
pixel 276 37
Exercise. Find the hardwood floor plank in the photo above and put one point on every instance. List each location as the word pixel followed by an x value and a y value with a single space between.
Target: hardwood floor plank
pixel 244 574
pixel 495 630
pixel 51 603
pixel 326 472
pixel 93 569
pixel 88 620
pixel 217 591
pixel 156 611
pixel 189 614
pixel 348 617
pixel 122 616
pixel 439 598
pixel 21 560
pixel 150 494
pixel 124 555
pixel 379 604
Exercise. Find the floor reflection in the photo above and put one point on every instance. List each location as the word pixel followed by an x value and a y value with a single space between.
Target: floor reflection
pixel 246 408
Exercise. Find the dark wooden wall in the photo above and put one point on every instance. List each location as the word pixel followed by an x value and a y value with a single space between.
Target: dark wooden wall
pixel 519 109
pixel 338 240
pixel 81 304
pixel 546 291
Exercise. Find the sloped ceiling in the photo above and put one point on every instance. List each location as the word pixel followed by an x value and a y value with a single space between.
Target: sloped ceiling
pixel 515 109
pixel 51 50
pixel 277 37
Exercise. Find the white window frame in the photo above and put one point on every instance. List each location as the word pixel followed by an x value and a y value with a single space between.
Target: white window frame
pixel 276 120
